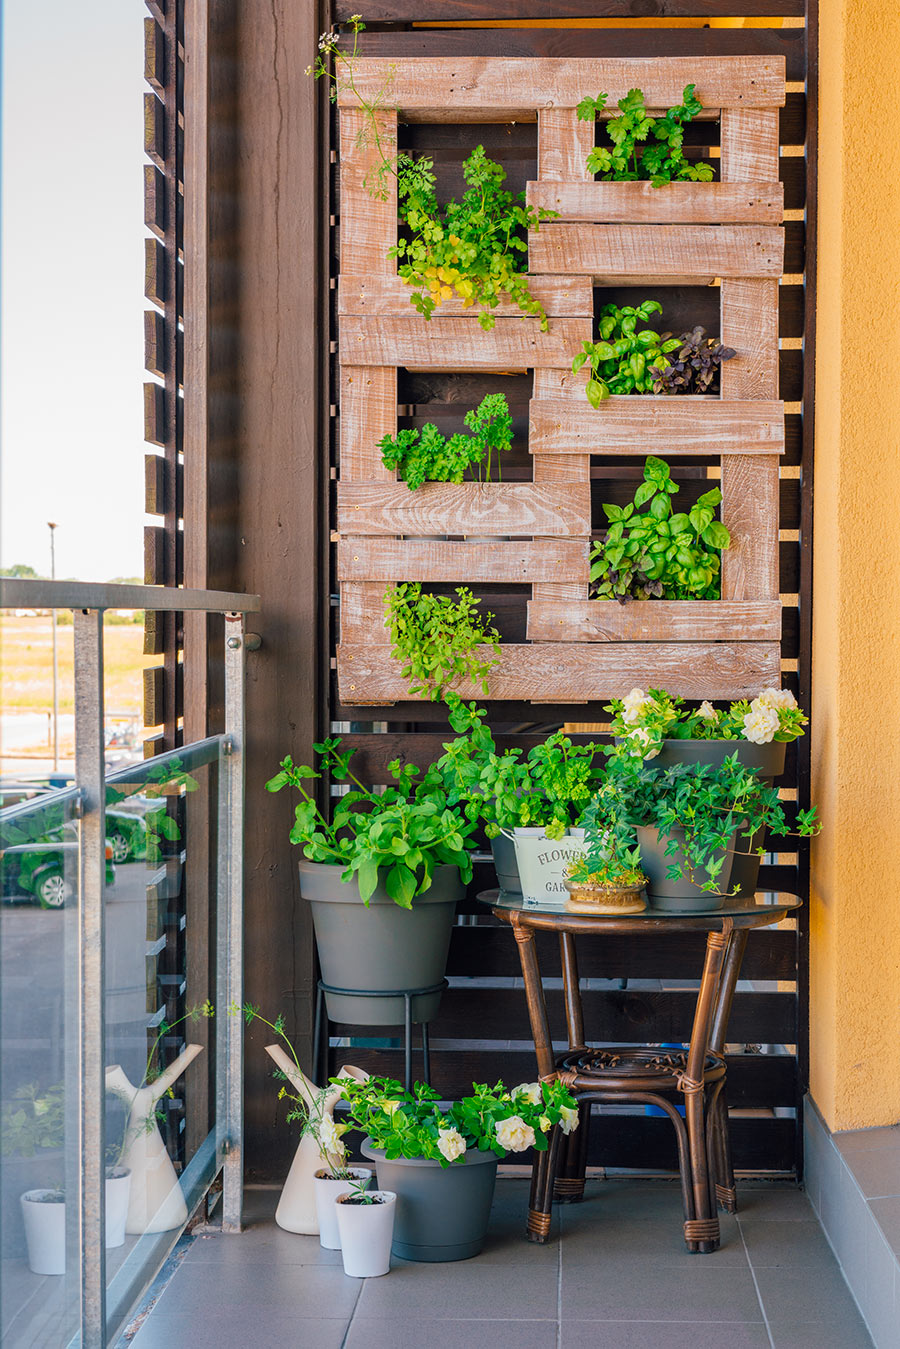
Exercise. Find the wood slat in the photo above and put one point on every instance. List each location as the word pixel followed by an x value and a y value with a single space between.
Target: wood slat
pixel 519 562
pixel 654 621
pixel 561 296
pixel 155 130
pixel 368 223
pixel 443 11
pixel 558 468
pixel 154 55
pixel 154 342
pixel 749 323
pixel 567 673
pixel 155 271
pixel 467 508
pixel 749 145
pixel 694 424
pixel 154 555
pixel 362 613
pixel 564 143
pixel 440 88
pixel 513 344
pixel 609 253
pixel 155 200
pixel 154 413
pixel 154 695
pixel 368 410
pixel 752 202
pixel 154 484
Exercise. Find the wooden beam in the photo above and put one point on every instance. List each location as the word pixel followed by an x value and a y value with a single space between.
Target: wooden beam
pixel 460 344
pixel 518 563
pixel 561 296
pixel 757 203
pixel 655 621
pixel 693 424
pixel 612 253
pixel 528 509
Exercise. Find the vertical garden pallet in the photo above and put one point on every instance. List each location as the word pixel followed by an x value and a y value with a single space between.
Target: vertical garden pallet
pixel 605 234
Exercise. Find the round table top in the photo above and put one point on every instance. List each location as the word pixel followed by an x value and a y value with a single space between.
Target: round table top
pixel 556 916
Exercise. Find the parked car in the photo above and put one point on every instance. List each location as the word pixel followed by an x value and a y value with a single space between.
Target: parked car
pixel 44 868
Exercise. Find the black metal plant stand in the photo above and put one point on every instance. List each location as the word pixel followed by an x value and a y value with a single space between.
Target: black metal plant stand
pixel 321 1034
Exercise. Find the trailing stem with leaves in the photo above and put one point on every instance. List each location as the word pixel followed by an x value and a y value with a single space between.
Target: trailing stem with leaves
pixel 651 551
pixel 397 836
pixel 428 456
pixel 337 66
pixel 440 641
pixel 643 146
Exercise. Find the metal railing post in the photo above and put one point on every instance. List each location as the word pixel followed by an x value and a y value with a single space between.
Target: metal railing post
pixel 230 930
pixel 89 773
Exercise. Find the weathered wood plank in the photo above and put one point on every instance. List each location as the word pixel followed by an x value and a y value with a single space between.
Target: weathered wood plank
pixel 412 11
pixel 749 145
pixel 689 425
pixel 561 296
pixel 528 509
pixel 564 143
pixel 519 563
pixel 569 672
pixel 368 407
pixel 758 203
pixel 655 621
pixel 749 323
pixel 362 613
pixel 559 468
pixel 612 252
pixel 428 88
pixel 513 344
pixel 368 223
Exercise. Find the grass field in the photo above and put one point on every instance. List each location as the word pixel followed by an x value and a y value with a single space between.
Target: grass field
pixel 26 665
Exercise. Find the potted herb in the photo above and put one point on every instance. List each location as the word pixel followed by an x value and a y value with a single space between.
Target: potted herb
pixel 440 642
pixel 365 1221
pixel 607 878
pixel 428 456
pixel 382 879
pixel 641 146
pixel 442 1163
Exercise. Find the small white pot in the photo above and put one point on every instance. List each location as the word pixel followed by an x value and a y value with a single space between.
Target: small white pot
pixel 45 1232
pixel 118 1193
pixel 327 1190
pixel 367 1231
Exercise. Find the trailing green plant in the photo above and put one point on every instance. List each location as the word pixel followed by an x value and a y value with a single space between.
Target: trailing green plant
pixel 475 248
pixel 493 1119
pixel 611 855
pixel 397 835
pixel 440 641
pixel 642 720
pixel 34 1118
pixel 693 366
pixel 337 66
pixel 429 456
pixel 652 551
pixel 629 156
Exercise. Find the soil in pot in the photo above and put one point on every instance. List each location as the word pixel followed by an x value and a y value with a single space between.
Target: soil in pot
pixel 442 1212
pixel 382 946
pixel 677 896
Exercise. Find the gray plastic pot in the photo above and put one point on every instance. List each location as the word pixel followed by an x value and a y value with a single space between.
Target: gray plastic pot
pixel 382 946
pixel 442 1212
pixel 680 896
pixel 505 864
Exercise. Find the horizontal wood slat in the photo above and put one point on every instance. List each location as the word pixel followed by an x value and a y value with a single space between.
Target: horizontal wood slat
pixel 154 342
pixel 441 88
pixel 154 695
pixel 460 343
pixel 154 484
pixel 155 271
pixel 154 55
pixel 561 296
pixel 155 200
pixel 555 511
pixel 654 621
pixel 155 413
pixel 610 253
pixel 677 203
pixel 155 130
pixel 562 672
pixel 692 424
pixel 520 562
pixel 423 11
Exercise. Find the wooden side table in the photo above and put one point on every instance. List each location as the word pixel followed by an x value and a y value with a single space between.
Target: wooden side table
pixel 643 1074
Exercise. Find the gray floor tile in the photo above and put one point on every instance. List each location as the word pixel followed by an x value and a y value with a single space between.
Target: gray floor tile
pixel 163 1331
pixel 591 1236
pixel 878 1304
pixel 670 1334
pixel 613 1199
pixel 887 1213
pixel 650 1291
pixel 260 1245
pixel 806 1294
pixel 774 1202
pixel 202 1288
pixel 819 1335
pixel 366 1333
pixel 411 1290
pixel 784 1243
pixel 868 1140
pixel 876 1172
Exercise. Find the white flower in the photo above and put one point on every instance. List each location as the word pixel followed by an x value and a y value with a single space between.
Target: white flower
pixel 389 1107
pixel 514 1134
pixel 545 1123
pixel 640 741
pixel 530 1090
pixel 451 1144
pixel 760 725
pixel 775 699
pixel 706 712
pixel 330 1137
pixel 568 1118
pixel 633 705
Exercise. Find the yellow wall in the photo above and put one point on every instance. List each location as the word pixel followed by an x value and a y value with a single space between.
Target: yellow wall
pixel 855 907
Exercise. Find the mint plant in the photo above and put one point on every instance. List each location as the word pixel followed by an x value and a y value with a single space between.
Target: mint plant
pixel 428 456
pixel 629 157
pixel 440 641
pixel 657 552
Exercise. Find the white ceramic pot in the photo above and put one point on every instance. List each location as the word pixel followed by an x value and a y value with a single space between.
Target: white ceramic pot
pixel 327 1190
pixel 118 1193
pixel 367 1231
pixel 45 1231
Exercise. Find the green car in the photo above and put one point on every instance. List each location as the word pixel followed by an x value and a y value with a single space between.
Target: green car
pixel 44 869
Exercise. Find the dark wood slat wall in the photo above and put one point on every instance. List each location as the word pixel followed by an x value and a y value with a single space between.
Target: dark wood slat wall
pixel 485 1015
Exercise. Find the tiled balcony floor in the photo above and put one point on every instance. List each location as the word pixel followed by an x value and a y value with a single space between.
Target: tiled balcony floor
pixel 614 1275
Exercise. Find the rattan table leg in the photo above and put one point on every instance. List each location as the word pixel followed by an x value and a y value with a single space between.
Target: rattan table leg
pixel 692 1087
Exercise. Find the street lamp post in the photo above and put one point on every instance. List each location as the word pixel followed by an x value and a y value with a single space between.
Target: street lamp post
pixel 51 525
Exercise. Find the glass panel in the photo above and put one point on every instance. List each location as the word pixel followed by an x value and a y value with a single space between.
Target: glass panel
pixel 39 1288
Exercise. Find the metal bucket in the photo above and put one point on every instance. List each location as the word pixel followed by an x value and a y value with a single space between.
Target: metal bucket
pixel 543 862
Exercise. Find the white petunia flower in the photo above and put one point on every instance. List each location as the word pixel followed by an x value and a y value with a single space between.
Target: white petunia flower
pixel 330 1137
pixel 774 698
pixel 530 1090
pixel 568 1118
pixel 640 741
pixel 514 1134
pixel 545 1123
pixel 760 725
pixel 706 712
pixel 633 705
pixel 451 1144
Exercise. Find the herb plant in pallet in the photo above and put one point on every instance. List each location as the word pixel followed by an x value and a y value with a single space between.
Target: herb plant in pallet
pixel 440 642
pixel 428 456
pixel 643 147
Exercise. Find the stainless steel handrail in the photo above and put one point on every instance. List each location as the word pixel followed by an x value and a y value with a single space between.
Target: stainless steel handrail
pixel 16 593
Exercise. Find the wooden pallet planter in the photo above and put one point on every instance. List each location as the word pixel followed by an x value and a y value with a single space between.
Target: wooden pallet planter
pixel 728 231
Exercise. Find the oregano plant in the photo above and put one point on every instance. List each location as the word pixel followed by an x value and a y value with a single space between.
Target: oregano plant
pixel 440 641
pixel 429 456
pixel 644 147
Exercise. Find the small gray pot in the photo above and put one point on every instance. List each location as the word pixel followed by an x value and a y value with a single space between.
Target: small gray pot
pixel 382 946
pixel 505 864
pixel 680 896
pixel 442 1212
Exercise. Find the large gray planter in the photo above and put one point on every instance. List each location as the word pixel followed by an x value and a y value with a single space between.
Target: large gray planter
pixel 442 1212
pixel 505 864
pixel 680 896
pixel 382 946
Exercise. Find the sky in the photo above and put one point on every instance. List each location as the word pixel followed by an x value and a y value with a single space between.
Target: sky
pixel 72 261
